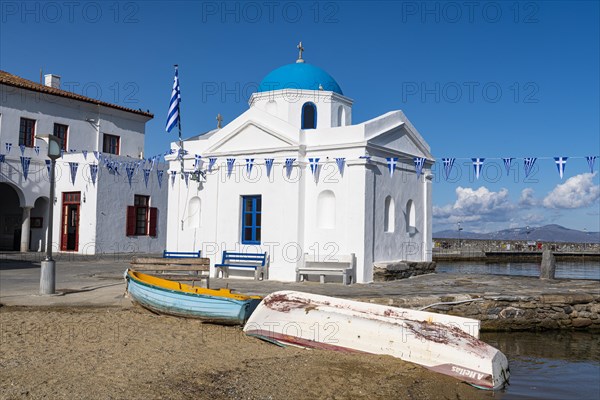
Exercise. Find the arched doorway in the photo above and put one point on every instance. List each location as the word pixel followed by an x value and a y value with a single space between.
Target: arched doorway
pixel 11 215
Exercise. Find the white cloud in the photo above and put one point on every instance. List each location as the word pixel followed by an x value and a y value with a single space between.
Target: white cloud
pixel 475 205
pixel 578 191
pixel 527 198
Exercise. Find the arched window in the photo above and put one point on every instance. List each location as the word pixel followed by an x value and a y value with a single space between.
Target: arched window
pixel 193 213
pixel 309 116
pixel 341 116
pixel 326 210
pixel 411 218
pixel 389 217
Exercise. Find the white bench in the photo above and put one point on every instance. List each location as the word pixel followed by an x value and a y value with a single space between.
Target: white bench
pixel 338 265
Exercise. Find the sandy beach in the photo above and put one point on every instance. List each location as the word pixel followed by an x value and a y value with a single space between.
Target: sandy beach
pixel 130 353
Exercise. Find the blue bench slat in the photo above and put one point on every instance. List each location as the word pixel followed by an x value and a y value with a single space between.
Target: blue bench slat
pixel 181 254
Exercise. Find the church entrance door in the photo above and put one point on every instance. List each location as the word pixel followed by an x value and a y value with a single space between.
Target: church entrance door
pixel 70 221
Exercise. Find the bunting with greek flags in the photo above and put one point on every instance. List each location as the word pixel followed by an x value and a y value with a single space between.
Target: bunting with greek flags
pixel 146 176
pixel 73 167
pixel 197 162
pixel 448 164
pixel 314 165
pixel 528 163
pixel 173 115
pixel 8 147
pixel 93 173
pixel 159 177
pixel 249 165
pixel 419 162
pixel 2 158
pixel 211 163
pixel 289 164
pixel 230 163
pixel 48 164
pixel 173 174
pixel 84 152
pixel 269 166
pixel 97 155
pixel 366 158
pixel 341 163
pixel 37 150
pixel 186 178
pixel 391 164
pixel 507 164
pixel 477 165
pixel 72 150
pixel 22 147
pixel 591 160
pixel 62 153
pixel 130 169
pixel 561 163
pixel 25 161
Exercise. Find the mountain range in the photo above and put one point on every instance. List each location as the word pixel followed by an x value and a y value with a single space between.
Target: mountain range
pixel 546 233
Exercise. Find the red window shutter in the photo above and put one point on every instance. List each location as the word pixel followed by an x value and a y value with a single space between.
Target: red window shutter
pixel 130 221
pixel 153 221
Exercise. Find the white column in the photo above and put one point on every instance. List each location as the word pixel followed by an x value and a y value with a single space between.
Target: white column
pixel 25 228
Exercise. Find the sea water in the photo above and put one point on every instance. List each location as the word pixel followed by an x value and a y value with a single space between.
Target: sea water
pixel 570 270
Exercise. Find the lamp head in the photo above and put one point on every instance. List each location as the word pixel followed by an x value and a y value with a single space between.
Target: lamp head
pixel 53 145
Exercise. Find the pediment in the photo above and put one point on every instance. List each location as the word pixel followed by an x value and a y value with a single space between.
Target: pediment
pixel 251 136
pixel 401 141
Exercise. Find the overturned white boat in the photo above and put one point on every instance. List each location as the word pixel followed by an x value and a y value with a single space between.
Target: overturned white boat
pixel 441 343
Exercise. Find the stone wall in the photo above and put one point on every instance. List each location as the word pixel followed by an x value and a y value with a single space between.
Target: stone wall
pixel 480 245
pixel 393 270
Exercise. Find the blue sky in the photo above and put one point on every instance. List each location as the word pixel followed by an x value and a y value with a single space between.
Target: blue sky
pixel 477 79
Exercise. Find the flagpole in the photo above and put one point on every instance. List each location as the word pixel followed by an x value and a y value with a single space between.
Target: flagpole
pixel 179 121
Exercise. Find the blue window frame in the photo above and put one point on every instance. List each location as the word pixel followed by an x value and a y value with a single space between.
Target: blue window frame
pixel 309 116
pixel 251 219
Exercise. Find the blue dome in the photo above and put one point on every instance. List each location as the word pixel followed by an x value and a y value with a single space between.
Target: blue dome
pixel 299 76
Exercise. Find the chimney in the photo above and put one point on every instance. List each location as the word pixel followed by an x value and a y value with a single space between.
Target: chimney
pixel 52 81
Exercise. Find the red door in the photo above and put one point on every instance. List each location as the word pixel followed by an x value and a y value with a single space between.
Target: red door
pixel 70 221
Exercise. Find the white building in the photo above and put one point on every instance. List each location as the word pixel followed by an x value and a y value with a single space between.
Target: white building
pixel 89 217
pixel 299 112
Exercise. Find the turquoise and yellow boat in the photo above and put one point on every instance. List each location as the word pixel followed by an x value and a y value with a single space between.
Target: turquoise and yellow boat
pixel 164 296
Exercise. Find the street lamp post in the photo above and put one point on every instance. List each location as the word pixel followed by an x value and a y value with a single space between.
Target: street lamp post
pixel 48 266
pixel 459 241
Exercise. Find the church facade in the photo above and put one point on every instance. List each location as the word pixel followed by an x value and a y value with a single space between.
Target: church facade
pixel 293 174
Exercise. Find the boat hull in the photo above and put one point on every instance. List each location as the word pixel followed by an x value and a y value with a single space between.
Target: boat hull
pixel 210 308
pixel 302 319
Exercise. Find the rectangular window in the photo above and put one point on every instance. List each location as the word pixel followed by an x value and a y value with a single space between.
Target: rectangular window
pixel 111 144
pixel 27 132
pixel 141 218
pixel 60 131
pixel 251 219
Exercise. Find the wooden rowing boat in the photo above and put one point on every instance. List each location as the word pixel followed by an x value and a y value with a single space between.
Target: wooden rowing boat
pixel 174 298
pixel 442 343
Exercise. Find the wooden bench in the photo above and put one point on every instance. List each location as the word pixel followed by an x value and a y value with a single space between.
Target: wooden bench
pixel 181 254
pixel 257 261
pixel 177 269
pixel 339 265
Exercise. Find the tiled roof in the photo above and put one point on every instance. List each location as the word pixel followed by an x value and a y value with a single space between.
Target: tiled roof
pixel 17 81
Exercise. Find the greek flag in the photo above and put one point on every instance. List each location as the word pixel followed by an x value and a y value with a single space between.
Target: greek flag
pixel 528 163
pixel 197 162
pixel 173 174
pixel 97 155
pixel 289 164
pixel 8 146
pixel 561 162
pixel 448 164
pixel 419 162
pixel 130 169
pixel 507 163
pixel 341 162
pixel 367 158
pixel 84 152
pixel 37 150
pixel 48 164
pixel 591 160
pixel 25 161
pixel 73 167
pixel 22 146
pixel 249 164
pixel 159 176
pixel 2 158
pixel 62 153
pixel 391 163
pixel 211 163
pixel 314 165
pixel 94 173
pixel 186 177
pixel 230 163
pixel 146 176
pixel 269 165
pixel 173 116
pixel 477 164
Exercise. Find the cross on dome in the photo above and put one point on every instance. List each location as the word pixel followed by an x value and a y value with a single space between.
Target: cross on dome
pixel 300 50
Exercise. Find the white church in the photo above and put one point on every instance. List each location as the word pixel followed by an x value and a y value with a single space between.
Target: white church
pixel 294 175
